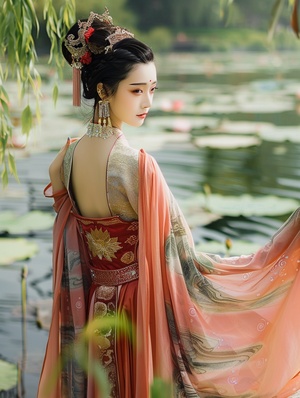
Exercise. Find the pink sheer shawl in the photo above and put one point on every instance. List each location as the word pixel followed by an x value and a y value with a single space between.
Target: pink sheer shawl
pixel 211 326
pixel 233 323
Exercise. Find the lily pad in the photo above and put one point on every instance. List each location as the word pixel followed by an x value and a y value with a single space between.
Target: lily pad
pixel 281 134
pixel 17 249
pixel 226 141
pixel 238 248
pixel 226 127
pixel 168 122
pixel 260 106
pixel 8 375
pixel 199 218
pixel 243 205
pixel 207 109
pixel 245 127
pixel 32 221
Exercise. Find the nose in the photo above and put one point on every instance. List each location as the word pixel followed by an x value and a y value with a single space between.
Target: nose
pixel 147 100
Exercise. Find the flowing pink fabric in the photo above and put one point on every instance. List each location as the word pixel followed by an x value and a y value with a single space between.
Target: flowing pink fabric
pixel 62 206
pixel 234 322
pixel 153 339
pixel 214 327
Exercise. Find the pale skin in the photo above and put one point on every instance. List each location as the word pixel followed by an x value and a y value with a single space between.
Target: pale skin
pixel 130 105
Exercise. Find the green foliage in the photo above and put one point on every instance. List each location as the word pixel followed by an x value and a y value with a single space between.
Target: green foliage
pixel 159 39
pixel 94 330
pixel 194 14
pixel 161 389
pixel 20 21
pixel 18 27
pixel 226 39
pixel 118 9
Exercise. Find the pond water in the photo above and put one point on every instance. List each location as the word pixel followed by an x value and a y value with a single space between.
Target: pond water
pixel 227 122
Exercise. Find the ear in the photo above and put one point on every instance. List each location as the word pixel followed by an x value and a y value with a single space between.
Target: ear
pixel 102 92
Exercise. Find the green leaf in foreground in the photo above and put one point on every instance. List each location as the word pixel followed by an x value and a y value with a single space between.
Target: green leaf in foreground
pixel 26 120
pixel 55 94
pixel 160 388
pixel 12 166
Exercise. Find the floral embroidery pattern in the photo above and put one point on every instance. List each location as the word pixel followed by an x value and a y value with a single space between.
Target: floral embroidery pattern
pixel 86 222
pixel 127 258
pixel 105 337
pixel 133 226
pixel 105 292
pixel 102 245
pixel 132 240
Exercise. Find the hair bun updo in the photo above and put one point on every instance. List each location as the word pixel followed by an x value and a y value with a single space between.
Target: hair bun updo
pixel 87 36
pixel 102 52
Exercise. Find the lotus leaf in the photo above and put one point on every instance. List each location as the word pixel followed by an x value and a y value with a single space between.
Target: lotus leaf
pixel 238 247
pixel 31 221
pixel 16 249
pixel 281 134
pixel 226 141
pixel 243 205
pixel 8 375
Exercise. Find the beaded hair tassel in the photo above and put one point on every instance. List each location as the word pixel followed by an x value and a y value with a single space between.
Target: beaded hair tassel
pixel 76 87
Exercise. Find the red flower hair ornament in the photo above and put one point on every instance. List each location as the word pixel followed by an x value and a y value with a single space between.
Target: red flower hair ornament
pixel 88 33
pixel 81 50
pixel 86 59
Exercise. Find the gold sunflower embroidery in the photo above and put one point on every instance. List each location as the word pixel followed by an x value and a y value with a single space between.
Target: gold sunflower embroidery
pixel 102 245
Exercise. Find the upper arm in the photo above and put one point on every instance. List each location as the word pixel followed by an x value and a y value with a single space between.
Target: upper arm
pixel 56 178
pixel 56 169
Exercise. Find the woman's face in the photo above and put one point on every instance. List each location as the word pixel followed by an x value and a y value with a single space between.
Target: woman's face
pixel 133 99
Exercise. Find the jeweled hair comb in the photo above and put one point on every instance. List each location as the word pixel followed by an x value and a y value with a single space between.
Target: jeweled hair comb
pixel 81 49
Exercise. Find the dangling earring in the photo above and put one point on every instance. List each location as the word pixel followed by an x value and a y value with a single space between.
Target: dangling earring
pixel 104 115
pixel 104 127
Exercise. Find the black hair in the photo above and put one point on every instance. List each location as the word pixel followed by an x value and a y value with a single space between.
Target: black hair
pixel 108 68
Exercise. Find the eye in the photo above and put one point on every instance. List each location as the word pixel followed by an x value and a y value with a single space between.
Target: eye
pixel 138 91
pixel 154 88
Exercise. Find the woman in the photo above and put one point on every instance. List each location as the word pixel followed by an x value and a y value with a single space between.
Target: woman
pixel 211 327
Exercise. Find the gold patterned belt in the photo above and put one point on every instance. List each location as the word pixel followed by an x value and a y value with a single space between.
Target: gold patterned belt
pixel 115 277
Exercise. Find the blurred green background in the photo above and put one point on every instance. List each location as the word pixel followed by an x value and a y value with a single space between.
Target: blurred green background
pixel 190 25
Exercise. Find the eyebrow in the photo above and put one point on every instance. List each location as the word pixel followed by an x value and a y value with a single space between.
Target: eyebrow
pixel 141 84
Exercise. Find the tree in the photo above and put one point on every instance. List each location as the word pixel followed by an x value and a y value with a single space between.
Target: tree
pixel 117 8
pixel 18 26
pixel 278 10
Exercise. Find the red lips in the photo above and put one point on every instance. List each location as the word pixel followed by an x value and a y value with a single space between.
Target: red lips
pixel 142 115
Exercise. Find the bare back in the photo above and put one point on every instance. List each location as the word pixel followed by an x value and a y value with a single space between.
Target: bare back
pixel 89 175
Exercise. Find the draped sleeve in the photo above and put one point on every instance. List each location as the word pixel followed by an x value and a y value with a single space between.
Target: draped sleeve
pixel 220 326
pixel 70 292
